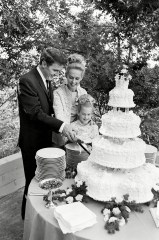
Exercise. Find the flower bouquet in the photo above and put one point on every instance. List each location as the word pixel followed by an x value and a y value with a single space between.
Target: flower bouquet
pixel 116 213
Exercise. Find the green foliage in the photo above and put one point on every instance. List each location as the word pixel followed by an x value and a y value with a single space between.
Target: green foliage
pixel 135 25
pixel 150 126
pixel 9 137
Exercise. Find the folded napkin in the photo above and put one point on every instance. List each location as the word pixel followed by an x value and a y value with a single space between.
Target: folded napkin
pixel 74 217
pixel 154 215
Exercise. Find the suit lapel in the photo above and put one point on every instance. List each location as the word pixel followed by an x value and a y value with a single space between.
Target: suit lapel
pixel 43 86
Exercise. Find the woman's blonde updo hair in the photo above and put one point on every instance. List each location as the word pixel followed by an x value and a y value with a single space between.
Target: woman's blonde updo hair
pixel 75 61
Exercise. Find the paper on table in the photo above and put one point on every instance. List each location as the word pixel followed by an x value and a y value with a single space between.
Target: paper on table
pixel 154 215
pixel 62 226
pixel 70 217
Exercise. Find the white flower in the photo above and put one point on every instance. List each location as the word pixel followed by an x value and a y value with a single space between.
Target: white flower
pixel 124 71
pixel 121 222
pixel 73 172
pixel 68 191
pixel 112 219
pixel 116 211
pixel 106 217
pixel 119 199
pixel 127 209
pixel 106 212
pixel 129 77
pixel 69 199
pixel 47 205
pixel 63 194
pixel 56 79
pixel 79 183
pixel 79 197
pixel 156 188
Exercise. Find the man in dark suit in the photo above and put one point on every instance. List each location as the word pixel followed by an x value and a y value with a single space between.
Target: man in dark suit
pixel 36 112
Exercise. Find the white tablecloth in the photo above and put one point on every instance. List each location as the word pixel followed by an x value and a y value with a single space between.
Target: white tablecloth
pixel 40 223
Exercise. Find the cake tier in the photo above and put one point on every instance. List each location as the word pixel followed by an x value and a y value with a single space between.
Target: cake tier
pixel 120 124
pixel 124 154
pixel 120 97
pixel 103 184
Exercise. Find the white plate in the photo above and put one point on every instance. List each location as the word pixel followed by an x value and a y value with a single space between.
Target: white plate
pixel 50 153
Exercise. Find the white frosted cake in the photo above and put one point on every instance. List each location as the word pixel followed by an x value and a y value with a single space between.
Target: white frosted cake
pixel 116 165
pixel 104 183
pixel 116 153
pixel 120 125
pixel 121 96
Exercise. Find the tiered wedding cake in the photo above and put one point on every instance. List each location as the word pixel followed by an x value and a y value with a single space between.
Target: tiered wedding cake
pixel 116 165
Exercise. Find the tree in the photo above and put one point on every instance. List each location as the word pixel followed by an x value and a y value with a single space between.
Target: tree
pixel 26 25
pixel 135 29
pixel 127 36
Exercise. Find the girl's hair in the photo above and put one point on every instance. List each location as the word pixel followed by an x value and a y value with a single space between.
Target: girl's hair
pixel 51 55
pixel 85 100
pixel 76 61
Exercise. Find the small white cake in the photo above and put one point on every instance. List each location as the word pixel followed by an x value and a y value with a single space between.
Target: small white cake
pixel 121 96
pixel 120 124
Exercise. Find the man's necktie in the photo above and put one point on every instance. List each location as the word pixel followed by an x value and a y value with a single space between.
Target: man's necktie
pixel 48 83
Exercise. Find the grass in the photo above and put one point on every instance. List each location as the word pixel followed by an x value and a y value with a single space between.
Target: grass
pixel 11 224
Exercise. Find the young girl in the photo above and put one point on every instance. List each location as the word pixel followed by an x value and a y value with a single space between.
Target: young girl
pixel 66 96
pixel 86 131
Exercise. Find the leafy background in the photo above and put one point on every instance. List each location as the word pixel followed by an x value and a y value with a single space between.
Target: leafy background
pixel 108 33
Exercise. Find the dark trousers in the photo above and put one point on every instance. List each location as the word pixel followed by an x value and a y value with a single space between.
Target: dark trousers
pixel 29 164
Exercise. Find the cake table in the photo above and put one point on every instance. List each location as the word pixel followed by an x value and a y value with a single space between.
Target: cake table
pixel 40 223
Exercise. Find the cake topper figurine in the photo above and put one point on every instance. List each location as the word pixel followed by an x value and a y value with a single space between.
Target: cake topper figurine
pixel 123 77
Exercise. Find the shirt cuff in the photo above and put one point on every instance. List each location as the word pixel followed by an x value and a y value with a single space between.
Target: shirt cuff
pixel 61 128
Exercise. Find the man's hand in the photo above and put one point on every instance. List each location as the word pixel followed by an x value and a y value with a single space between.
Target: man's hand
pixel 69 132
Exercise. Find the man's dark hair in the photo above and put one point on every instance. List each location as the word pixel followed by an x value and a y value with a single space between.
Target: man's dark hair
pixel 51 55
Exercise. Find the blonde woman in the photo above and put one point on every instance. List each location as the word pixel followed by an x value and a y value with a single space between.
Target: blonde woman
pixel 67 95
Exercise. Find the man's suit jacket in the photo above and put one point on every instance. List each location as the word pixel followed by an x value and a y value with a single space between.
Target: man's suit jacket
pixel 35 110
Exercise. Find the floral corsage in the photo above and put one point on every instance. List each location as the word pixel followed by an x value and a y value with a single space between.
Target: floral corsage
pixel 116 213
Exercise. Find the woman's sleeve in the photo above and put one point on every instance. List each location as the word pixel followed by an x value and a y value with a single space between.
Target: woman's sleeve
pixel 58 106
pixel 83 91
